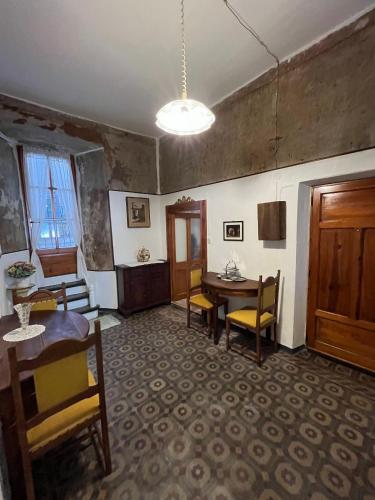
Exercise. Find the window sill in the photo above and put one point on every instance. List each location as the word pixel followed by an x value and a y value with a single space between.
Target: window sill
pixel 58 261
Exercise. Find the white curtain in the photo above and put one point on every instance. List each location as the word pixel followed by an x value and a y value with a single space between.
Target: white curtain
pixel 67 227
pixel 62 179
pixel 37 183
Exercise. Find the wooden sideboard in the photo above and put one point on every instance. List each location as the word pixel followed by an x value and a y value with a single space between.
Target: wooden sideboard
pixel 142 285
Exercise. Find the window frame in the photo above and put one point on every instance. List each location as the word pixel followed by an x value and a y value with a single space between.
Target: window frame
pixel 53 260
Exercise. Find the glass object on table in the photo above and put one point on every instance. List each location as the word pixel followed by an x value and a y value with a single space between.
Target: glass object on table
pixel 23 311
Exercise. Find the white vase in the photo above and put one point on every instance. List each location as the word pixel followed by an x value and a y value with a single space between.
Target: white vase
pixel 20 282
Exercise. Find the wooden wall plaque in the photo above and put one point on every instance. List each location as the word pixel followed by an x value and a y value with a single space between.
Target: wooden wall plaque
pixel 272 220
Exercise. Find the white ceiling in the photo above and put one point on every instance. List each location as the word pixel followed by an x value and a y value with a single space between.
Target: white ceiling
pixel 117 61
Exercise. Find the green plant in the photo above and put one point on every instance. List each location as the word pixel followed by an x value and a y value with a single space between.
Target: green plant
pixel 21 269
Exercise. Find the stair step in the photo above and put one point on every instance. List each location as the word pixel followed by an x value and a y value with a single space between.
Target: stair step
pixel 69 284
pixel 85 309
pixel 73 297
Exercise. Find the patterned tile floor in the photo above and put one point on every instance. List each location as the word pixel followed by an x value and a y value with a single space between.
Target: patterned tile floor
pixel 190 421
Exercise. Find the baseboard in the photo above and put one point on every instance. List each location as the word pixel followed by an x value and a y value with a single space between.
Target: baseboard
pixel 291 350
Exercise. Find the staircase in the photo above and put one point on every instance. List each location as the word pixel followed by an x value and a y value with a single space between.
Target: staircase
pixel 77 296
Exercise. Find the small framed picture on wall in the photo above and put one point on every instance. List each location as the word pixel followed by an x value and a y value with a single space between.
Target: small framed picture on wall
pixel 233 231
pixel 138 211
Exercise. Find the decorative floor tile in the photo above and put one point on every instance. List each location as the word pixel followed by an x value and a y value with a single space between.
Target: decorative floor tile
pixel 190 421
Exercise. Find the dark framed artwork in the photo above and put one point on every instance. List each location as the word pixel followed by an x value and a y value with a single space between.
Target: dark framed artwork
pixel 233 231
pixel 138 211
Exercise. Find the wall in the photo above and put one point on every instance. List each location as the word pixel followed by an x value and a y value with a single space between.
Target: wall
pixel 127 241
pixel 325 107
pixel 237 200
pixel 128 162
pixel 5 295
pixel 12 223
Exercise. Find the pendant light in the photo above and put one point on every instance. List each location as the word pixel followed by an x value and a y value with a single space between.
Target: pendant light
pixel 184 116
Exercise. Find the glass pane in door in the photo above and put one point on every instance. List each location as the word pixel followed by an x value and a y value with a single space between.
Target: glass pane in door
pixel 195 238
pixel 181 243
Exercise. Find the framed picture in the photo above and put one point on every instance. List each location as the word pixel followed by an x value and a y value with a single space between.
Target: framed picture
pixel 138 211
pixel 233 230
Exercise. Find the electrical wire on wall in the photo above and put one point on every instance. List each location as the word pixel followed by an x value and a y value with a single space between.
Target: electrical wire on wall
pixel 252 31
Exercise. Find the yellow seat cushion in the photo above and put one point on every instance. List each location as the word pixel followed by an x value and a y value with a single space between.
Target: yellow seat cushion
pixel 249 317
pixel 56 425
pixel 45 305
pixel 200 300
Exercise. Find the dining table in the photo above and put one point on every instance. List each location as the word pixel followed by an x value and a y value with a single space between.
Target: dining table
pixel 59 325
pixel 217 286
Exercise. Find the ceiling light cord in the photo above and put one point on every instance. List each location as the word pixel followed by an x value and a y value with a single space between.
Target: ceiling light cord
pixel 183 55
pixel 252 31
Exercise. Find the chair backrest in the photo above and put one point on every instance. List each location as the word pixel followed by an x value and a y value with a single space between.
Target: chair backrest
pixel 268 292
pixel 61 379
pixel 196 274
pixel 194 280
pixel 44 300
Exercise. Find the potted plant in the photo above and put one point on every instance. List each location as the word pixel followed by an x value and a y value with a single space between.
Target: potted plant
pixel 20 273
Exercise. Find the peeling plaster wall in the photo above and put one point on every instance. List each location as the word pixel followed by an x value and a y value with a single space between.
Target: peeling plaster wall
pixel 12 222
pixel 128 162
pixel 94 208
pixel 326 107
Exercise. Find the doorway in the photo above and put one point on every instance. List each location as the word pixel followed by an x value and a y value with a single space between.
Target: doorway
pixel 341 296
pixel 186 242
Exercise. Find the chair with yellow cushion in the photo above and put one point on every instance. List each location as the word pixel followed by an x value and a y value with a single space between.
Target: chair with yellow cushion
pixel 204 301
pixel 264 316
pixel 68 399
pixel 44 300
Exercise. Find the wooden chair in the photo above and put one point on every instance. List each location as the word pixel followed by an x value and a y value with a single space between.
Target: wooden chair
pixel 264 316
pixel 44 300
pixel 68 401
pixel 206 302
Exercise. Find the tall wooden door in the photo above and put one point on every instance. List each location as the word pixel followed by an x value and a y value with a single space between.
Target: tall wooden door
pixel 341 303
pixel 186 242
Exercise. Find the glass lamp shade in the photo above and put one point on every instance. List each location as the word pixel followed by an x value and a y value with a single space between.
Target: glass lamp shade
pixel 184 117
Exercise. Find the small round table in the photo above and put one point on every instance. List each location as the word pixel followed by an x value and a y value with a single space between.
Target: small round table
pixel 217 286
pixel 60 325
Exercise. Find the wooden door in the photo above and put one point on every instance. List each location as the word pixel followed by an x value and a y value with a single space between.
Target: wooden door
pixel 341 303
pixel 186 242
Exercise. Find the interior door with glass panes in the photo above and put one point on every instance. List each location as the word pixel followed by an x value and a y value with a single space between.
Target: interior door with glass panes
pixel 186 242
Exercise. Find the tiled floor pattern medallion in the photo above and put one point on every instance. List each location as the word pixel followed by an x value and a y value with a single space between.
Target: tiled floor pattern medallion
pixel 190 421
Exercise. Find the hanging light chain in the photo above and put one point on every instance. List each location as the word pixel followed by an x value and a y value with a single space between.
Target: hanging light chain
pixel 183 55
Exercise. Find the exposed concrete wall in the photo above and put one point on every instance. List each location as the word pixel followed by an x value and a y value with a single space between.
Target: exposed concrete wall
pixel 12 223
pixel 94 208
pixel 326 107
pixel 127 163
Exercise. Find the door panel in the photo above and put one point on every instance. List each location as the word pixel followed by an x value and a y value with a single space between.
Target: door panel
pixel 180 231
pixel 341 317
pixel 336 258
pixel 367 300
pixel 195 238
pixel 347 204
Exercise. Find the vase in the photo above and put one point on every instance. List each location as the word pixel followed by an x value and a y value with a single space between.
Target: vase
pixel 23 311
pixel 143 255
pixel 20 282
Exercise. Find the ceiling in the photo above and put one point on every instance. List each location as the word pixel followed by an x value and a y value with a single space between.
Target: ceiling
pixel 117 61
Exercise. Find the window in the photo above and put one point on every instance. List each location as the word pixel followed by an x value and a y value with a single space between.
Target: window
pixel 51 200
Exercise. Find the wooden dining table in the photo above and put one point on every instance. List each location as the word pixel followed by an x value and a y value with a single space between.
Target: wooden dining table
pixel 60 325
pixel 217 286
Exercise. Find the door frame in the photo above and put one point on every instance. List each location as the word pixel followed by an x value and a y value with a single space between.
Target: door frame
pixel 187 209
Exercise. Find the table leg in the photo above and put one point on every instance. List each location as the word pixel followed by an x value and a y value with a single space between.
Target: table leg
pixel 269 332
pixel 215 323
